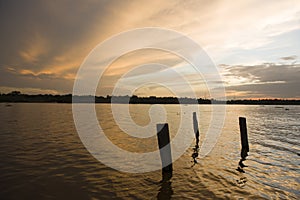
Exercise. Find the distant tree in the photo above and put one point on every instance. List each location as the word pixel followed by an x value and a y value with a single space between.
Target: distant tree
pixel 14 93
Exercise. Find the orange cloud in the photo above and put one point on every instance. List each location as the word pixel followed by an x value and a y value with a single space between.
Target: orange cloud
pixel 35 47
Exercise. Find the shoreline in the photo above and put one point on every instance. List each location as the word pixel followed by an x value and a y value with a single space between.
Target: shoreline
pixel 68 98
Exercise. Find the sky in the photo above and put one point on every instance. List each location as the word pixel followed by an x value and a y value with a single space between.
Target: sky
pixel 254 44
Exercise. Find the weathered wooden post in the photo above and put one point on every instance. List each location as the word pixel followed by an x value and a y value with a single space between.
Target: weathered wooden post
pixel 196 129
pixel 164 146
pixel 244 137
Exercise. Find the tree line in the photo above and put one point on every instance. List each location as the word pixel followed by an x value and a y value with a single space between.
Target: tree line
pixel 17 96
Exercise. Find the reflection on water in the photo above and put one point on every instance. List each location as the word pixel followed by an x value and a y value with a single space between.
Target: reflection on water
pixel 166 191
pixel 42 157
pixel 242 181
pixel 195 154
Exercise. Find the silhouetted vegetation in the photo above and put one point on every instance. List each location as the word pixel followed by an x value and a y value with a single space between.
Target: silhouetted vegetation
pixel 16 96
pixel 265 102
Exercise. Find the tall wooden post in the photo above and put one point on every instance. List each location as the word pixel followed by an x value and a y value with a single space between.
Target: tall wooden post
pixel 164 146
pixel 244 137
pixel 196 129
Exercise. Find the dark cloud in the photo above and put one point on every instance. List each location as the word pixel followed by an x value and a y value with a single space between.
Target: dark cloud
pixel 271 80
pixel 289 57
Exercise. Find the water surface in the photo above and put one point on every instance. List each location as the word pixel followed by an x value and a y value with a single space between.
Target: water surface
pixel 42 156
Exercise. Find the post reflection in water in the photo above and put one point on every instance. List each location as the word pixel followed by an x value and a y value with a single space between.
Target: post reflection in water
pixel 165 191
pixel 242 180
pixel 195 153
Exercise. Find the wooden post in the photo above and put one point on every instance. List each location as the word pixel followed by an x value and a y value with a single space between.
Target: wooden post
pixel 196 129
pixel 164 146
pixel 244 137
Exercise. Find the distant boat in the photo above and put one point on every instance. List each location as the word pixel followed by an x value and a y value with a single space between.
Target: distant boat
pixel 8 105
pixel 287 109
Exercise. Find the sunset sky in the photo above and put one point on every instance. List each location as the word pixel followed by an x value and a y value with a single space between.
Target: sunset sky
pixel 255 44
